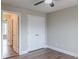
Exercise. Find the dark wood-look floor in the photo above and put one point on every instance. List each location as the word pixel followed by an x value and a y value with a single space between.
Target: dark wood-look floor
pixel 44 54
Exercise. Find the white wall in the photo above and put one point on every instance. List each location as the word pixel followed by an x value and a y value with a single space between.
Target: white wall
pixel 62 30
pixel 23 23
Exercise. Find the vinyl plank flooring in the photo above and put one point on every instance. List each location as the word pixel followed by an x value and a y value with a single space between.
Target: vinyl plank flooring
pixel 44 54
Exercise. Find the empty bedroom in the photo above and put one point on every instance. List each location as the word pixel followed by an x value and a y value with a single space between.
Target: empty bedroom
pixel 39 29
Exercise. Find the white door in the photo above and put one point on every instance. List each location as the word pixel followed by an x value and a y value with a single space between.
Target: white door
pixel 36 32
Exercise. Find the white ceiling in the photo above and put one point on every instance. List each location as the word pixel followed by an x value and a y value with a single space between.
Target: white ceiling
pixel 59 4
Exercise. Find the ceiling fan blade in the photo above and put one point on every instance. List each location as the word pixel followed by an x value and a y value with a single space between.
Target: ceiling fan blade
pixel 52 4
pixel 38 3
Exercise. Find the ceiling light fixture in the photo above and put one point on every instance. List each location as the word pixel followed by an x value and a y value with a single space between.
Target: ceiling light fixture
pixel 49 2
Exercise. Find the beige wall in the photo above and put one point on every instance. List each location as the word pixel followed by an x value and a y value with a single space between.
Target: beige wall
pixel 15 32
pixel 62 30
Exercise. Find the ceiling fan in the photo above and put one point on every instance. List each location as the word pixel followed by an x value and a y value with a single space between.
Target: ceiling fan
pixel 50 2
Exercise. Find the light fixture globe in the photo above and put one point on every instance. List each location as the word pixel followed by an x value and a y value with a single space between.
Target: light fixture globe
pixel 48 1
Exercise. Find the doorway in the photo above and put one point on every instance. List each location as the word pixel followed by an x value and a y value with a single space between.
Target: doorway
pixel 10 34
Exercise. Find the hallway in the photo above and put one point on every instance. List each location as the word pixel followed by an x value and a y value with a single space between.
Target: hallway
pixel 7 50
pixel 9 34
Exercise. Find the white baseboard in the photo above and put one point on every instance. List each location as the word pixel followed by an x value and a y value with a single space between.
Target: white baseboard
pixel 63 51
pixel 54 48
pixel 23 52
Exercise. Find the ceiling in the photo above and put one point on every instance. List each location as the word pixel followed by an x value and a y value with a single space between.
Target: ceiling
pixel 59 4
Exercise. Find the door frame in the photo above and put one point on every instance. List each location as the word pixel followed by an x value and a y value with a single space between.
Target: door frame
pixel 19 30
